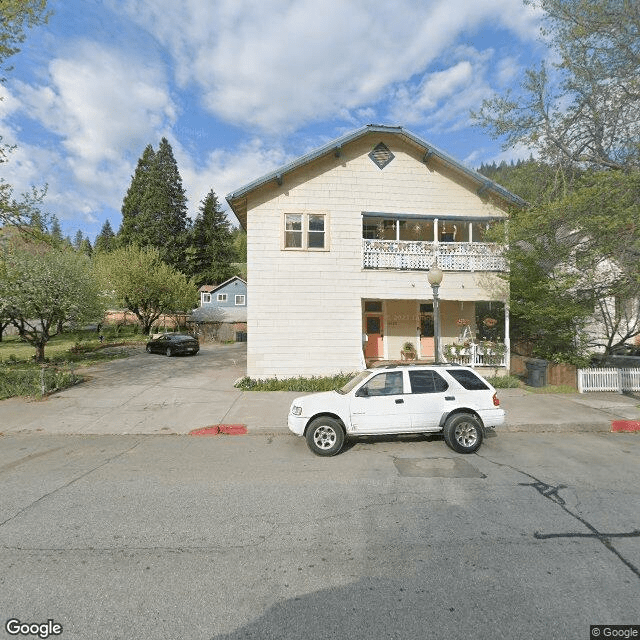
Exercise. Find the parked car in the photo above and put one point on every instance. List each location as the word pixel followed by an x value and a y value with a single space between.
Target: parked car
pixel 173 344
pixel 451 399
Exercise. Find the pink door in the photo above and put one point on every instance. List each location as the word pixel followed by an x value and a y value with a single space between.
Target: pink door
pixel 374 347
pixel 427 342
pixel 427 347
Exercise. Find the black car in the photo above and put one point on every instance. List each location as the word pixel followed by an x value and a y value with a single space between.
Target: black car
pixel 173 344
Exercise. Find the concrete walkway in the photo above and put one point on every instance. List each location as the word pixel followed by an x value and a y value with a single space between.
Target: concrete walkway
pixel 152 394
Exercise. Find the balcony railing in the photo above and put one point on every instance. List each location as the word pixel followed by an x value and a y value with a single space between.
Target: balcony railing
pixel 420 256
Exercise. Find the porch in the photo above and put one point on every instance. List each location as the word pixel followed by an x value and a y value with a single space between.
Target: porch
pixel 473 333
pixel 409 242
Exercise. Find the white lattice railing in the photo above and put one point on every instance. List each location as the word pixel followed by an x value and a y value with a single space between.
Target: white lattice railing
pixel 474 356
pixel 418 255
pixel 608 380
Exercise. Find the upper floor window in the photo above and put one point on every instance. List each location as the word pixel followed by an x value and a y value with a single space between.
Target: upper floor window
pixel 222 297
pixel 240 300
pixel 206 297
pixel 305 231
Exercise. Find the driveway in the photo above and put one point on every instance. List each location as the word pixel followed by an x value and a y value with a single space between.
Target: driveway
pixel 151 394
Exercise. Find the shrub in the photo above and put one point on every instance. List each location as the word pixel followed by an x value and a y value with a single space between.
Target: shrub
pixel 329 383
pixel 504 382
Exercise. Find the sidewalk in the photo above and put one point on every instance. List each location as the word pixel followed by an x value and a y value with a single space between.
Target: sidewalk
pixel 77 411
pixel 537 412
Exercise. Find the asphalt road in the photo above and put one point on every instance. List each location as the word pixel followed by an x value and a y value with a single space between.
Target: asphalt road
pixel 228 537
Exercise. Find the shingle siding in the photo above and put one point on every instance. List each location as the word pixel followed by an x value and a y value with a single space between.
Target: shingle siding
pixel 305 309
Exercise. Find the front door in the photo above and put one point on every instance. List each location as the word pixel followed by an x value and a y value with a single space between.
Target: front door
pixel 427 342
pixel 374 347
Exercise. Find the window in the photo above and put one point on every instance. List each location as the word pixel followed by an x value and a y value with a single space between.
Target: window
pixel 427 382
pixel 385 384
pixel 206 297
pixel 467 379
pixel 373 306
pixel 305 231
pixel 222 297
pixel 239 300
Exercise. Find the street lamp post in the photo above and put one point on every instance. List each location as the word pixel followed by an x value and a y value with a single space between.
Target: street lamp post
pixel 434 276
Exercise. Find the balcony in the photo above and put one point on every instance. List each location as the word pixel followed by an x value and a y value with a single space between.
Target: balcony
pixel 417 255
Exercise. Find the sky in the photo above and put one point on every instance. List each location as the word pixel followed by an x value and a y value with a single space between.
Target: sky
pixel 241 87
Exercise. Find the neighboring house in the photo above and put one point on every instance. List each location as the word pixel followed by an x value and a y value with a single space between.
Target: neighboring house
pixel 339 242
pixel 222 314
pixel 231 293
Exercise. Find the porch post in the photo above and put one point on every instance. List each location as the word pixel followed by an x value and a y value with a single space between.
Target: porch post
pixel 507 339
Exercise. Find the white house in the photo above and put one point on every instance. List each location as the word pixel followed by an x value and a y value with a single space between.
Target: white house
pixel 339 243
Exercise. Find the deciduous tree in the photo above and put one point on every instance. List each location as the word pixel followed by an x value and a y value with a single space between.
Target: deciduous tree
pixel 583 109
pixel 141 282
pixel 42 287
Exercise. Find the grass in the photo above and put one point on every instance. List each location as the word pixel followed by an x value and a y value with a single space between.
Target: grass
pixel 330 383
pixel 21 376
pixel 553 388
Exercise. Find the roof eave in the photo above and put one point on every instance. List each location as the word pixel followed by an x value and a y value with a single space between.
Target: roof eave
pixel 485 184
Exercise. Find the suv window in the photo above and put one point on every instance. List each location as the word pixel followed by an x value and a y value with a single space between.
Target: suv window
pixel 427 382
pixel 467 379
pixel 385 384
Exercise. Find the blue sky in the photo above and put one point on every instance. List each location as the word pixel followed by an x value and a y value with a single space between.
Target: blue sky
pixel 239 87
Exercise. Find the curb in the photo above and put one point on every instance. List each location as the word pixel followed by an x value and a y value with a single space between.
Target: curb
pixel 626 426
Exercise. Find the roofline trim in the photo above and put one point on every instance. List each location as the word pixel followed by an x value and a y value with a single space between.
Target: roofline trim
pixel 429 151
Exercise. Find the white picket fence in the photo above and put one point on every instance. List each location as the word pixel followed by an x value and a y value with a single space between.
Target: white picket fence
pixel 619 380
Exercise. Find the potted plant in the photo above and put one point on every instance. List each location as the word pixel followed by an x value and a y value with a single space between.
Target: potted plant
pixel 408 351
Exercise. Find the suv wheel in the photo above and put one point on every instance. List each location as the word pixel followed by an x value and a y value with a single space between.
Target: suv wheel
pixel 463 433
pixel 325 436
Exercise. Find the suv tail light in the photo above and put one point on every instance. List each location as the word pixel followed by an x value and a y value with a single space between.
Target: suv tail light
pixel 496 400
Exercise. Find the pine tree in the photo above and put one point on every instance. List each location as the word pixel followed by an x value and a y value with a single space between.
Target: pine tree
pixel 164 208
pixel 106 239
pixel 77 240
pixel 211 254
pixel 154 211
pixel 132 230
pixel 55 231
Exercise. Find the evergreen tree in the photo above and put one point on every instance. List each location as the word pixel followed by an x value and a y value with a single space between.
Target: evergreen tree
pixel 164 208
pixel 85 247
pixel 77 240
pixel 132 230
pixel 211 254
pixel 154 211
pixel 106 239
pixel 55 231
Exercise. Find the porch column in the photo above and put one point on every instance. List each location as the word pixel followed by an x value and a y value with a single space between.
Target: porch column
pixel 471 232
pixel 507 339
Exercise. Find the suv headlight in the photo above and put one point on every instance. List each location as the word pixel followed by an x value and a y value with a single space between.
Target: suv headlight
pixel 295 410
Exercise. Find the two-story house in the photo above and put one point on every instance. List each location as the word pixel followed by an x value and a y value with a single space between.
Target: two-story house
pixel 222 314
pixel 339 243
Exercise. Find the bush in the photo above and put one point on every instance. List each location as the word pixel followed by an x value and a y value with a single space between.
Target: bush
pixel 330 383
pixel 34 381
pixel 504 382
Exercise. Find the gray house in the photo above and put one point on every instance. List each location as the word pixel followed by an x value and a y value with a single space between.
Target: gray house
pixel 222 314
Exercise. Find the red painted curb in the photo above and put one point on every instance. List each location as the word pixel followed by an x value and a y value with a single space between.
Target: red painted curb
pixel 206 431
pixel 233 429
pixel 216 429
pixel 625 425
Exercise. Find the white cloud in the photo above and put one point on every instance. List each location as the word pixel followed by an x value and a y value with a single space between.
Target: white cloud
pixel 102 105
pixel 275 64
pixel 224 170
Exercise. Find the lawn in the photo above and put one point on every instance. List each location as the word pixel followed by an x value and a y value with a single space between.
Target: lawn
pixel 65 354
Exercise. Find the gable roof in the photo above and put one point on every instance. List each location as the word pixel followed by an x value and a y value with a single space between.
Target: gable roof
pixel 237 199
pixel 210 288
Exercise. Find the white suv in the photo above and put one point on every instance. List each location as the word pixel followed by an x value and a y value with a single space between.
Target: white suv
pixel 445 398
